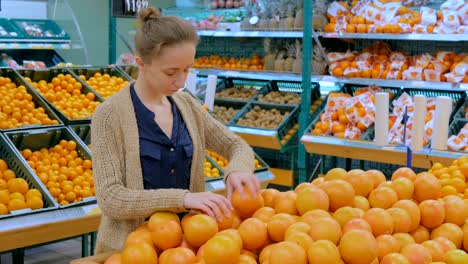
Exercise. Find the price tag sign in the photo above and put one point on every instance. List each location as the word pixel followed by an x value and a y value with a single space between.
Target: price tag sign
pixel 210 91
pixel 217 185
pixel 128 8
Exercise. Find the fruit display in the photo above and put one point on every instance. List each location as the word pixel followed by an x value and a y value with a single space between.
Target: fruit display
pixel 105 84
pixel 380 16
pixel 263 118
pixel 344 216
pixel 291 132
pixel 459 142
pixel 8 61
pixel 214 61
pixel 67 176
pixel 4 32
pixel 209 170
pixel 223 163
pixel 224 114
pixel 17 107
pixel 345 116
pixel 276 97
pixel 238 92
pixel 378 61
pixel 67 95
pixel 215 4
pixel 15 193
pixel 36 30
pixel 209 23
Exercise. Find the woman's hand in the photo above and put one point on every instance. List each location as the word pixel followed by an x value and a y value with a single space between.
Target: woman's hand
pixel 236 181
pixel 212 204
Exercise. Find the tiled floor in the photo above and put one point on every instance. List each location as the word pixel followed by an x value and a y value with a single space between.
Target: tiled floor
pixel 58 253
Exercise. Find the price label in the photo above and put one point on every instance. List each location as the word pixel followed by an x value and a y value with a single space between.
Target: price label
pixel 464 86
pixel 217 185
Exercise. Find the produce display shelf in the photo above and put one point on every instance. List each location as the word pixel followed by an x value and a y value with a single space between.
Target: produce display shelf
pixel 35 139
pixel 384 36
pixel 26 44
pixel 250 34
pixel 367 150
pixel 219 186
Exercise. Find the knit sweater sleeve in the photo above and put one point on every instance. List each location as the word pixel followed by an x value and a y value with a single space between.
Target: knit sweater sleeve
pixel 224 142
pixel 114 198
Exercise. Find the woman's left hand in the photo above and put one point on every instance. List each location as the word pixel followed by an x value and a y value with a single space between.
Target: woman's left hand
pixel 236 181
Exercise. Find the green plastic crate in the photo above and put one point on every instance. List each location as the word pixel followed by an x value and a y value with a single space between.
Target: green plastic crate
pixel 352 88
pixel 461 113
pixel 89 72
pixel 35 139
pixel 10 28
pixel 48 75
pixel 10 156
pixel 38 101
pixel 44 25
pixel 83 132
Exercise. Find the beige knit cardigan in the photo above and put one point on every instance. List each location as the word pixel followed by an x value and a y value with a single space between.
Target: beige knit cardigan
pixel 117 168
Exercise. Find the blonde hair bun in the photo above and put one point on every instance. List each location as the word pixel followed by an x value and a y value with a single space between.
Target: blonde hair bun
pixel 149 13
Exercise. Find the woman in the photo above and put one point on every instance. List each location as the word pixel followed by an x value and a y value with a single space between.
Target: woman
pixel 149 139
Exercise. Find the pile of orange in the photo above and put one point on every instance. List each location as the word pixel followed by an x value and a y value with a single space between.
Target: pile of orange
pixel 343 217
pixel 214 61
pixel 223 163
pixel 15 193
pixel 291 132
pixel 105 84
pixel 67 95
pixel 209 170
pixel 67 176
pixel 378 61
pixel 17 108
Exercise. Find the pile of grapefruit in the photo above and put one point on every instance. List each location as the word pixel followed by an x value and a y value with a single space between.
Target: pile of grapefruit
pixel 354 217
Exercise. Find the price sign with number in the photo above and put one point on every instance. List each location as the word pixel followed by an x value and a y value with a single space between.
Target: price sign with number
pixel 128 8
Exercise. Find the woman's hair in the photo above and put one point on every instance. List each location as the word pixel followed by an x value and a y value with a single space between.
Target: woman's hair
pixel 157 31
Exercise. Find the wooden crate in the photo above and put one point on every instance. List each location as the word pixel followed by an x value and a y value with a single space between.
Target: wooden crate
pixel 96 259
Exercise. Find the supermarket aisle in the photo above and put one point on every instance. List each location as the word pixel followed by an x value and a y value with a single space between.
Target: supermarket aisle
pixel 58 253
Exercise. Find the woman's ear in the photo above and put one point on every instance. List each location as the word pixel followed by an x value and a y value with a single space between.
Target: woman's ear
pixel 140 63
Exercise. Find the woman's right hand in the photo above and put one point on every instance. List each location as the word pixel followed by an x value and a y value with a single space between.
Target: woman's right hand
pixel 212 204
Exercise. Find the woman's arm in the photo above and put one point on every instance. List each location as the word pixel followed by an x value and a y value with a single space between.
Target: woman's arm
pixel 115 200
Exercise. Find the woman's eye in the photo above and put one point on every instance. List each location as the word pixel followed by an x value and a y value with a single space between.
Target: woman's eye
pixel 170 74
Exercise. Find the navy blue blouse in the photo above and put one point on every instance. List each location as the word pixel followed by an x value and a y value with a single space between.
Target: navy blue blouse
pixel 165 162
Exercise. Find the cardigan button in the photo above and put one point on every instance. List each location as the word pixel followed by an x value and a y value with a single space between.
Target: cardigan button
pixel 172 149
pixel 172 171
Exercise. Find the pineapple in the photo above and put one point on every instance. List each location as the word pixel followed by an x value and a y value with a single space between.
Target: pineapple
pixel 289 21
pixel 274 23
pixel 279 62
pixel 319 14
pixel 297 65
pixel 269 60
pixel 282 20
pixel 289 62
pixel 264 21
pixel 299 19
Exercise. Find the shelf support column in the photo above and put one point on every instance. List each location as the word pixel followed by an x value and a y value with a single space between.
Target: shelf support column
pixel 304 116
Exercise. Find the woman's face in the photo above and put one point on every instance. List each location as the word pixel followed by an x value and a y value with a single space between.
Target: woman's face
pixel 166 73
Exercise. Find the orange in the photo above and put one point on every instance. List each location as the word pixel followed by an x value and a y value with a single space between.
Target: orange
pixel 32 193
pixel 16 204
pixel 325 228
pixel 177 255
pixel 312 198
pixel 141 253
pixel 356 224
pixel 323 251
pixel 432 213
pixel 4 196
pixel 403 187
pixel 114 259
pixel 18 185
pixel 3 209
pixel 246 208
pixel 395 258
pixel 358 247
pixel 286 203
pixel 300 238
pixel 377 177
pixel 340 193
pixel 401 219
pixel 404 172
pixel 246 259
pixel 17 196
pixel 3 184
pixel 416 254
pixel 312 215
pixel 136 237
pixel 278 225
pixel 446 244
pixel 450 231
pixel 3 165
pixel 404 239
pixel 420 234
pixel 264 256
pixel 269 197
pixel 198 229
pixel 387 244
pixel 347 213
pixel 264 214
pixel 161 217
pixel 360 181
pixel 412 209
pixel 233 234
pixel 426 187
pixel 361 203
pixel 226 222
pixel 380 221
pixel 382 197
pixel 456 257
pixel 299 227
pixel 287 253
pixel 221 249
pixel 437 253
pixel 456 211
pixel 335 174
pixel 167 235
pixel 34 202
pixel 254 233
pixel 302 186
